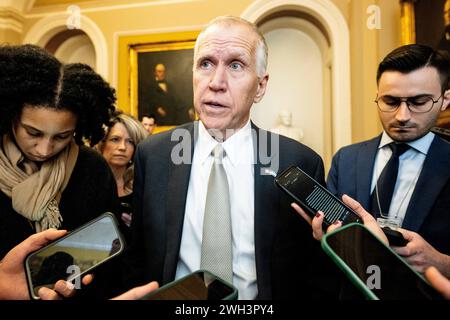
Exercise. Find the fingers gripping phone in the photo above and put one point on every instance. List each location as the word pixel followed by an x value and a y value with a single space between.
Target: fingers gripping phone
pixel 374 268
pixel 312 197
pixel 75 254
pixel 199 285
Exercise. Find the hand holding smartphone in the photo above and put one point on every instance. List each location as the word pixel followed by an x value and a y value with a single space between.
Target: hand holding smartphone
pixel 312 197
pixel 199 285
pixel 374 268
pixel 74 255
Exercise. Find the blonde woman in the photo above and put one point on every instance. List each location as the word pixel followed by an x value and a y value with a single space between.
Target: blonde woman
pixel 122 136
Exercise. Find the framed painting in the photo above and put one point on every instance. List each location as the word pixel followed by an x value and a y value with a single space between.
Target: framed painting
pixel 428 22
pixel 158 77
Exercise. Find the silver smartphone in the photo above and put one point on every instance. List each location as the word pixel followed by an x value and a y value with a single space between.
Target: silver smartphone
pixel 74 255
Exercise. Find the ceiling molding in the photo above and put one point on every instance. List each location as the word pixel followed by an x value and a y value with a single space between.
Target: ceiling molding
pixel 19 5
pixel 29 5
pixel 11 19
pixel 96 6
pixel 44 29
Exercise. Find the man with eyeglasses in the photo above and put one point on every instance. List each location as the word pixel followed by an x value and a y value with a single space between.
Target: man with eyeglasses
pixel 403 175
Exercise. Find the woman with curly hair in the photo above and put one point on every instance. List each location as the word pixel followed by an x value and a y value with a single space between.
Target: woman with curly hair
pixel 48 179
pixel 123 134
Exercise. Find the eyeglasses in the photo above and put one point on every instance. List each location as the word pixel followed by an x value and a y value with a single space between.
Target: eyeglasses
pixel 418 104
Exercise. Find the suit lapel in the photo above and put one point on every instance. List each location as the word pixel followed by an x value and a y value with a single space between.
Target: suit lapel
pixel 264 214
pixel 177 188
pixel 364 170
pixel 432 179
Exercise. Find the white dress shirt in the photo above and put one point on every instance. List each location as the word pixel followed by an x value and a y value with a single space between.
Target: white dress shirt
pixel 238 165
pixel 410 166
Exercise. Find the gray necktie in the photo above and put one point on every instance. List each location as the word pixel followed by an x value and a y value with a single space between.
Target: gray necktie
pixel 217 254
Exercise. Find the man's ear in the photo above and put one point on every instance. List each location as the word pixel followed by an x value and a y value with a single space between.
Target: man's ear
pixel 262 85
pixel 446 97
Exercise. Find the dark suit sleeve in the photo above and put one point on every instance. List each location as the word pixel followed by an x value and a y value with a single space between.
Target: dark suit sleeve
pixel 332 179
pixel 133 257
pixel 107 200
pixel 319 174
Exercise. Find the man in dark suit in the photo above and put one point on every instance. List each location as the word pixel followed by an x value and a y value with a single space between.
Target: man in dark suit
pixel 412 91
pixel 273 252
pixel 162 98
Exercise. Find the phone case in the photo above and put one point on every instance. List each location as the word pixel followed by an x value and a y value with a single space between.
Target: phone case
pixel 232 296
pixel 338 209
pixel 119 234
pixel 347 270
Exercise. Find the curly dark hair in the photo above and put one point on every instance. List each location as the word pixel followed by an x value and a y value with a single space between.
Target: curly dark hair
pixel 30 76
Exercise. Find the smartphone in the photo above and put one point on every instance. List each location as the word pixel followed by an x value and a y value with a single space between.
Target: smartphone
pixel 126 207
pixel 374 268
pixel 312 197
pixel 75 254
pixel 199 285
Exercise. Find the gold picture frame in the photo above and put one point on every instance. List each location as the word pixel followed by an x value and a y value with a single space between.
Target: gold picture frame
pixel 173 49
pixel 408 22
pixel 409 35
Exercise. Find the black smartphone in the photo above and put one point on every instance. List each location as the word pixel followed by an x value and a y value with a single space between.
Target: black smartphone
pixel 126 207
pixel 374 268
pixel 312 197
pixel 74 255
pixel 199 285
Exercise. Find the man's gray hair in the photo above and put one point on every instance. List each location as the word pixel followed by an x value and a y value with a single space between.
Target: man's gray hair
pixel 261 46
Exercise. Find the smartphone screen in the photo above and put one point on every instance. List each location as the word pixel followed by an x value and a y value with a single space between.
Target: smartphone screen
pixel 200 285
pixel 374 267
pixel 75 254
pixel 312 197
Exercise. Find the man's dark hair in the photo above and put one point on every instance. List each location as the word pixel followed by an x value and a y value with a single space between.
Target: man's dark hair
pixel 30 76
pixel 411 57
pixel 150 116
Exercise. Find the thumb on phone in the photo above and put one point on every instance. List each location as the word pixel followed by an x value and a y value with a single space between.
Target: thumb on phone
pixel 368 220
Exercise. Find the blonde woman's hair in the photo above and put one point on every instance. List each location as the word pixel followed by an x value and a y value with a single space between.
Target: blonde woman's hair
pixel 137 133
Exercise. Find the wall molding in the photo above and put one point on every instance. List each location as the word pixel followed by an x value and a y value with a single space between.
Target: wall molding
pixel 43 30
pixel 336 26
pixel 98 6
pixel 11 19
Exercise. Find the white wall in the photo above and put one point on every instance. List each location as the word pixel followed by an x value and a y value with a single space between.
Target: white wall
pixel 77 49
pixel 295 83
